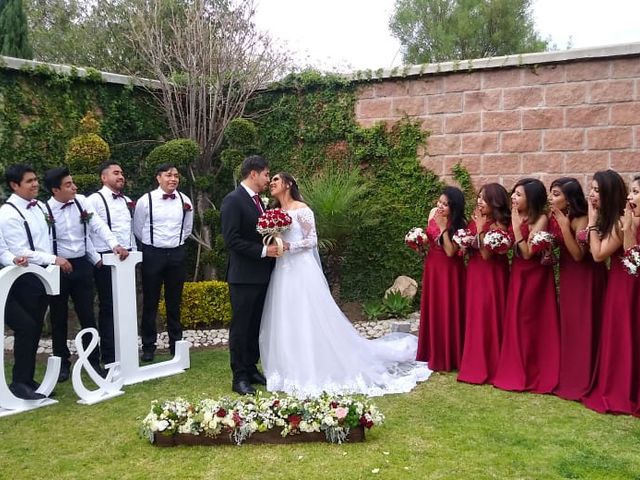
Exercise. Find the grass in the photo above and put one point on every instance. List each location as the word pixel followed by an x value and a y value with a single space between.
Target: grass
pixel 442 429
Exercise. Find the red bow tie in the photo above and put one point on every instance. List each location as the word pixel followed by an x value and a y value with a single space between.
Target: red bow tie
pixel 32 203
pixel 172 196
pixel 117 195
pixel 66 205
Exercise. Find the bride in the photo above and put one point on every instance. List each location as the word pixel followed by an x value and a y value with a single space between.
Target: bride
pixel 307 345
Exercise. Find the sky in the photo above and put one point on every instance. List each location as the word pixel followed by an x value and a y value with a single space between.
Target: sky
pixel 347 35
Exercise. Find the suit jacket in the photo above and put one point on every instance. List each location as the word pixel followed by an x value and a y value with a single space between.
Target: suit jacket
pixel 239 217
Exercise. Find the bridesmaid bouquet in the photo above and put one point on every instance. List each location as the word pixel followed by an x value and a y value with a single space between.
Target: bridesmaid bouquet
pixel 543 242
pixel 465 239
pixel 272 224
pixel 416 240
pixel 631 260
pixel 497 241
pixel 582 236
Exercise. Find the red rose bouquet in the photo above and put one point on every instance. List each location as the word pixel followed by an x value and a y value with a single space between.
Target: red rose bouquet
pixel 543 242
pixel 464 238
pixel 272 224
pixel 497 241
pixel 631 260
pixel 416 240
pixel 582 236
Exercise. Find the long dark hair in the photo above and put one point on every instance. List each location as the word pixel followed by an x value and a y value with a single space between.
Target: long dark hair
pixel 613 198
pixel 497 197
pixel 573 194
pixel 455 197
pixel 536 196
pixel 290 182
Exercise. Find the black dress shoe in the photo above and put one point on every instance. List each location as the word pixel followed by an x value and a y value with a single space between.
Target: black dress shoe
pixel 35 385
pixel 258 378
pixel 25 392
pixel 243 387
pixel 147 356
pixel 65 373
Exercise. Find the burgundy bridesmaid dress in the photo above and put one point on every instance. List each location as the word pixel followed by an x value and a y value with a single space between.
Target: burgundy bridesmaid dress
pixel 530 351
pixel 440 336
pixel 616 381
pixel 582 285
pixel 485 299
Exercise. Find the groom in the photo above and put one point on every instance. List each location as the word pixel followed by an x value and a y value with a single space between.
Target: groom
pixel 248 272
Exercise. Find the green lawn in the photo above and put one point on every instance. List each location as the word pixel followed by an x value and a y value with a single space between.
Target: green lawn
pixel 443 429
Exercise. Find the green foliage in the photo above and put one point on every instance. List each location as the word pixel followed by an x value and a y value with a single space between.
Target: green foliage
pixel 443 30
pixel 204 305
pixel 86 152
pixel 14 41
pixel 396 305
pixel 241 134
pixel 87 183
pixel 462 176
pixel 231 158
pixel 374 310
pixel 182 152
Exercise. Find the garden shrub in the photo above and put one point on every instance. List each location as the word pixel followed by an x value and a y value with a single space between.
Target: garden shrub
pixel 204 305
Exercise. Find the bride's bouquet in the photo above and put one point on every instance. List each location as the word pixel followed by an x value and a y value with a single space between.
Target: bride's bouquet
pixel 497 241
pixel 465 239
pixel 631 260
pixel 544 242
pixel 416 240
pixel 271 225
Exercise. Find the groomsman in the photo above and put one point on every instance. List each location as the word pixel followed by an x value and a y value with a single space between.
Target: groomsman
pixel 162 221
pixel 116 210
pixel 24 228
pixel 72 226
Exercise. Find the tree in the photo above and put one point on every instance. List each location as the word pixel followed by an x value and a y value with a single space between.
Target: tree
pixel 442 30
pixel 209 60
pixel 14 41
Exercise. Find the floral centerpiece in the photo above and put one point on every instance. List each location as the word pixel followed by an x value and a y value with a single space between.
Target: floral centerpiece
pixel 544 242
pixel 237 419
pixel 631 260
pixel 497 241
pixel 465 239
pixel 272 224
pixel 417 240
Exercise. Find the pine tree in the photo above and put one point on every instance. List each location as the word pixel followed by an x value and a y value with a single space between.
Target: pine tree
pixel 14 41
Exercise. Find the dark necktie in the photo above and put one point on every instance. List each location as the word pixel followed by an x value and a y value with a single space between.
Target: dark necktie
pixel 165 196
pixel 117 195
pixel 32 203
pixel 258 202
pixel 66 205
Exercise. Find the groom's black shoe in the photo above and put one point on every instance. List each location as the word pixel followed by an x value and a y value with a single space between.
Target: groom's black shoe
pixel 258 379
pixel 243 387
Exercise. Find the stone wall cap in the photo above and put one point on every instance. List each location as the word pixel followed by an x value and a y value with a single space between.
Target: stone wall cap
pixel 537 58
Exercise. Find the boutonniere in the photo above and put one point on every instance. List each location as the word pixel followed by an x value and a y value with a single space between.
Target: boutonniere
pixel 265 201
pixel 187 207
pixel 131 205
pixel 50 220
pixel 85 217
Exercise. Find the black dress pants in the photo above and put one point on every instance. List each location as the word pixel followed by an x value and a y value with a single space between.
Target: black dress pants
pixel 162 266
pixel 247 302
pixel 79 286
pixel 24 314
pixel 102 278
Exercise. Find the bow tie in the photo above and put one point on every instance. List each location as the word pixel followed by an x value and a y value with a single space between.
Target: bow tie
pixel 117 195
pixel 172 196
pixel 32 203
pixel 66 205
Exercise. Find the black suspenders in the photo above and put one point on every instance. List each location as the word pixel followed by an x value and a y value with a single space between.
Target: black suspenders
pixel 26 225
pixel 184 214
pixel 53 227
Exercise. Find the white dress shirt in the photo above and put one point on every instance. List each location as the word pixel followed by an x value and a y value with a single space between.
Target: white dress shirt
pixel 70 230
pixel 119 213
pixel 168 217
pixel 15 235
pixel 6 257
pixel 253 194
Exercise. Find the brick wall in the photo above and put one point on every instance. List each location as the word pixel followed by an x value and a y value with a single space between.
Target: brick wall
pixel 545 119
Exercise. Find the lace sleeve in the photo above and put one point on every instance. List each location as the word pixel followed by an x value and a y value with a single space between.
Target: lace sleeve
pixel 308 226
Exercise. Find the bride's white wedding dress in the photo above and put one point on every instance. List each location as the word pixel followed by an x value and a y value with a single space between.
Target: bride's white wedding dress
pixel 308 346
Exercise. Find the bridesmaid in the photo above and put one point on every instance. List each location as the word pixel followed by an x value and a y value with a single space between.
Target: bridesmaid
pixel 441 330
pixel 615 380
pixel 582 282
pixel 486 289
pixel 529 356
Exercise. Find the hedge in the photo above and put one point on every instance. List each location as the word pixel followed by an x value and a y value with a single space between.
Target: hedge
pixel 204 305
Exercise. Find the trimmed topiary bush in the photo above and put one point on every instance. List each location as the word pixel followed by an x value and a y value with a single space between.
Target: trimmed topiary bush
pixel 204 305
pixel 88 150
pixel 182 152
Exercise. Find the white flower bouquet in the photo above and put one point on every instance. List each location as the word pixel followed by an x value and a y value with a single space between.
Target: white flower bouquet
pixel 417 240
pixel 497 241
pixel 631 260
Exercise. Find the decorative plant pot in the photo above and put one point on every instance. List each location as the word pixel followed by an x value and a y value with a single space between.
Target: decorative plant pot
pixel 271 436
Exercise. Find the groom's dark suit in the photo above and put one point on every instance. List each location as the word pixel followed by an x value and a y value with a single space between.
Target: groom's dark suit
pixel 248 277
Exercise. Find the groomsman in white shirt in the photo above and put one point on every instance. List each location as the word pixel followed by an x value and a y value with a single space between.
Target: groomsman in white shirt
pixel 24 228
pixel 162 221
pixel 73 224
pixel 116 210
